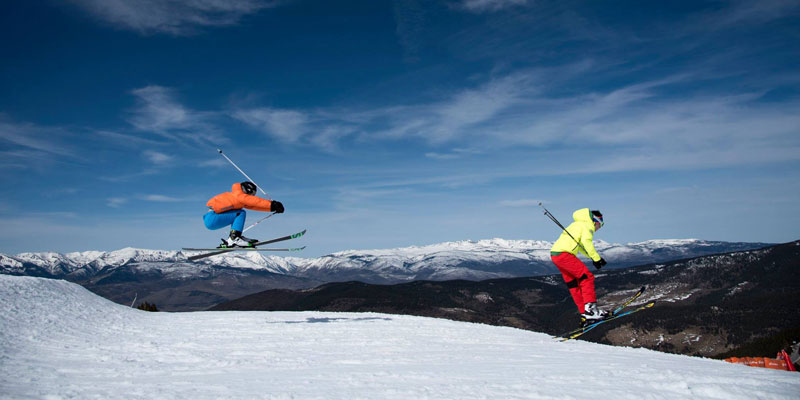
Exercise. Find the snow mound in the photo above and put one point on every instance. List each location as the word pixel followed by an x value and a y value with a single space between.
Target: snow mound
pixel 59 340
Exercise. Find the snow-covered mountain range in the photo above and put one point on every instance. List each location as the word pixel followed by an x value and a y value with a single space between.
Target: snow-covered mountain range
pixel 473 260
pixel 170 280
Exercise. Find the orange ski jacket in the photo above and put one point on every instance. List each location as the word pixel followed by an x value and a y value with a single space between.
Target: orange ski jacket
pixel 236 199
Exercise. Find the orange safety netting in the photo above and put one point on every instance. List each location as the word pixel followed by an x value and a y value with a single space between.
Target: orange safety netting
pixel 782 362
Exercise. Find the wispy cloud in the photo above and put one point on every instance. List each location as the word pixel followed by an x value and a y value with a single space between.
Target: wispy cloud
pixel 456 116
pixel 625 123
pixel 158 198
pixel 116 202
pixel 175 17
pixel 452 155
pixel 285 125
pixel 214 163
pixel 35 137
pixel 28 146
pixel 738 13
pixel 478 6
pixel 471 107
pixel 155 163
pixel 329 137
pixel 160 113
pixel 157 158
pixel 21 159
pixel 125 138
pixel 635 124
pixel 320 128
pixel 442 156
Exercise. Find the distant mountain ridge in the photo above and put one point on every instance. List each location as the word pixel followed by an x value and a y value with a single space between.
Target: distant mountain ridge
pixel 483 259
pixel 168 279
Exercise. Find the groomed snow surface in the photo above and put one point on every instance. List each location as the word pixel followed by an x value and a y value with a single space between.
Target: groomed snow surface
pixel 59 340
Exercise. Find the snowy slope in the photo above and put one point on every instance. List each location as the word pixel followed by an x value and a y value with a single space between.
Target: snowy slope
pixel 475 260
pixel 58 340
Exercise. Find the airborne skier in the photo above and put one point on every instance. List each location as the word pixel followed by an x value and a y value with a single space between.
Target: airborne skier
pixel 227 209
pixel 578 237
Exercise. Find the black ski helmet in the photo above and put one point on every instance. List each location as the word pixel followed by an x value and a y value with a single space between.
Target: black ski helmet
pixel 597 216
pixel 249 188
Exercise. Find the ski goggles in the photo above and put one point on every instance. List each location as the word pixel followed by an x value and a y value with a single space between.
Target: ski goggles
pixel 597 219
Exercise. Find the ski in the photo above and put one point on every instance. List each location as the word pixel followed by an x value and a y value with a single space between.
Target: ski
pixel 247 249
pixel 222 251
pixel 616 311
pixel 594 325
pixel 629 301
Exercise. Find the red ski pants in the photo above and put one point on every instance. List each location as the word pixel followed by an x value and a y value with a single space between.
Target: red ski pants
pixel 578 278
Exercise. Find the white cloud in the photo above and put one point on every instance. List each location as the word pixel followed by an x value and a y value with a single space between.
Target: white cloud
pixel 447 120
pixel 285 125
pixel 327 139
pixel 175 17
pixel 126 139
pixel 158 112
pixel 635 124
pixel 452 155
pixel 457 116
pixel 22 159
pixel 629 127
pixel 739 13
pixel 442 156
pixel 705 131
pixel 116 202
pixel 214 163
pixel 156 157
pixel 31 147
pixel 478 6
pixel 161 198
pixel 34 137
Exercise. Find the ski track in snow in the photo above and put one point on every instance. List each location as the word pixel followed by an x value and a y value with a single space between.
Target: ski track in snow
pixel 59 340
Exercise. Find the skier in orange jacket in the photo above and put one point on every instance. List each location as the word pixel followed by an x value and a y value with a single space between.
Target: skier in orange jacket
pixel 227 209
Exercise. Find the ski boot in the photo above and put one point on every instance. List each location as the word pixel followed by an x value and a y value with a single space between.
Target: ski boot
pixel 592 314
pixel 237 240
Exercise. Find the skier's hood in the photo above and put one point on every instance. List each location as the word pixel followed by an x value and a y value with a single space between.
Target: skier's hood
pixel 584 216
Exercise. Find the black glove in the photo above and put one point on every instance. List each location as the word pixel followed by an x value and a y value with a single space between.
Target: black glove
pixel 276 206
pixel 599 264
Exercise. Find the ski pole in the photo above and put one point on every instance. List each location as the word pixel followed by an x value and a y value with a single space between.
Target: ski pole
pixel 257 222
pixel 245 175
pixel 547 213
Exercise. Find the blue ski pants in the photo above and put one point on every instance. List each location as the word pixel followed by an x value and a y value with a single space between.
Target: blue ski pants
pixel 234 218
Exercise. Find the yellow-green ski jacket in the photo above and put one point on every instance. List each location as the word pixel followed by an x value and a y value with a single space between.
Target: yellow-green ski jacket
pixel 583 231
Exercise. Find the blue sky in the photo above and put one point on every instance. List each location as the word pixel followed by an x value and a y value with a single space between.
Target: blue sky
pixel 392 123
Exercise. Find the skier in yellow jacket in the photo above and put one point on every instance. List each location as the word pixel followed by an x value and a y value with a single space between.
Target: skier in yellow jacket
pixel 578 237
